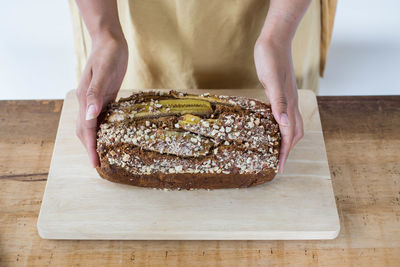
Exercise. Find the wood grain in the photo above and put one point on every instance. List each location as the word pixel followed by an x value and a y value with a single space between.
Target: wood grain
pixel 78 204
pixel 362 140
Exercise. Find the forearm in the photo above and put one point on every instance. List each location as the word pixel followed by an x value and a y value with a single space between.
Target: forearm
pixel 282 20
pixel 101 19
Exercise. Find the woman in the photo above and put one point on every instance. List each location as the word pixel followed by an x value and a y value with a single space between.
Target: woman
pixel 186 44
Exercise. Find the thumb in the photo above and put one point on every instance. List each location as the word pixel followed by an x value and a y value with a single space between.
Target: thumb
pixel 94 102
pixel 279 105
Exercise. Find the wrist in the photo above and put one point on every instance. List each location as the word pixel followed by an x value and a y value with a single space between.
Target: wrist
pixel 103 36
pixel 275 42
pixel 276 36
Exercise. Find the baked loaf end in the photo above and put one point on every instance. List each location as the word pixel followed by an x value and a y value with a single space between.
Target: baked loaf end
pixel 179 140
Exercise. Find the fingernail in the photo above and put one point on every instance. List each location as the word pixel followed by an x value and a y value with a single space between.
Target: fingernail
pixel 91 112
pixel 284 119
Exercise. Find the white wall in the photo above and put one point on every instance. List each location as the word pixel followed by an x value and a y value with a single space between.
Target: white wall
pixel 36 49
pixel 37 56
pixel 364 58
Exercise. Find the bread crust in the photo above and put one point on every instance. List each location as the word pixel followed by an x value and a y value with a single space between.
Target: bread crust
pixel 187 181
pixel 244 155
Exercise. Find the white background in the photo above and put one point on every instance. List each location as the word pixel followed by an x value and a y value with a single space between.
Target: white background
pixel 37 55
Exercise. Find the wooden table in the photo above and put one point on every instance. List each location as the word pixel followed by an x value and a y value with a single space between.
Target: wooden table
pixel 362 136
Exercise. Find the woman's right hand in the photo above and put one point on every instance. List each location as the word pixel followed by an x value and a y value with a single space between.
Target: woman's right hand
pixel 275 71
pixel 273 59
pixel 99 85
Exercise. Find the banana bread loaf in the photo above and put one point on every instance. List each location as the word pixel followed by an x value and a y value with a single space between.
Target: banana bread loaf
pixel 179 140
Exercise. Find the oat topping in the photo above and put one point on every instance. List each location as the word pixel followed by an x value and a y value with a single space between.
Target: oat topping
pixel 229 135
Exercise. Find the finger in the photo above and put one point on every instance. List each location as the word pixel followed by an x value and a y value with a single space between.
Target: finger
pixel 94 105
pixel 286 144
pixel 86 123
pixel 94 102
pixel 299 130
pixel 285 119
pixel 81 96
pixel 82 88
pixel 86 131
pixel 99 92
pixel 90 137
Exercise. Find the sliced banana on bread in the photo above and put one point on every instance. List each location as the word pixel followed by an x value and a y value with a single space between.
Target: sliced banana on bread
pixel 180 140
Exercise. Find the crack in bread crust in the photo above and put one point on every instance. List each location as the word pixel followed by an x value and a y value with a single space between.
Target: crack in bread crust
pixel 237 138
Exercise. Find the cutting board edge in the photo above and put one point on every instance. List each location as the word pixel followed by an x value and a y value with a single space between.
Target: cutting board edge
pixel 196 235
pixel 267 235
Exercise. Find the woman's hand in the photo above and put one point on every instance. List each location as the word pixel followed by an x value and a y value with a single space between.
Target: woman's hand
pixel 275 72
pixel 99 85
pixel 273 59
pixel 105 68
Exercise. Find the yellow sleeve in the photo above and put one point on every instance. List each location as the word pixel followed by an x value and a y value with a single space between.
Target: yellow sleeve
pixel 328 10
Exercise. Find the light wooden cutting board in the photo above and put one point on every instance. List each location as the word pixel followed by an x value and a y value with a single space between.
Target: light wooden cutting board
pixel 298 204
